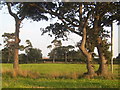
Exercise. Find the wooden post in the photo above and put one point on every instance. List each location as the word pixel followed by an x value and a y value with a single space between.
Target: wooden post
pixel 112 47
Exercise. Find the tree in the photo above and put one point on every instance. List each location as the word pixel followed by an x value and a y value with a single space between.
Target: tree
pixel 4 55
pixel 19 13
pixel 71 54
pixel 18 19
pixel 57 43
pixel 34 55
pixel 8 51
pixel 29 45
pixel 7 57
pixel 76 56
pixel 103 18
pixel 9 40
pixel 23 58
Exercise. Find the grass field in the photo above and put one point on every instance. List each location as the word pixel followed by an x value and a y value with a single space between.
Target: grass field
pixel 54 76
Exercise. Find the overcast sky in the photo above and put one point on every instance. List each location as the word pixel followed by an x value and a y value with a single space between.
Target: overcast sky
pixel 31 30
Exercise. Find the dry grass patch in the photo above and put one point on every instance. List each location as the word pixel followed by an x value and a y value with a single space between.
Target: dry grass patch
pixel 65 75
pixel 35 75
pixel 21 73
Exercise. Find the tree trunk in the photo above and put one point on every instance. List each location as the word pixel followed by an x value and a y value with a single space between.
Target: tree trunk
pixel 16 49
pixel 90 67
pixel 103 67
pixel 17 40
pixel 83 24
pixel 66 57
pixel 8 56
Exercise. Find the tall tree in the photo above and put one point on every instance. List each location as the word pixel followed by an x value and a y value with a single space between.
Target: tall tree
pixel 23 58
pixel 8 51
pixel 71 53
pixel 18 19
pixel 57 43
pixel 34 55
pixel 7 56
pixel 104 18
pixel 19 11
pixel 73 18
pixel 9 40
pixel 26 48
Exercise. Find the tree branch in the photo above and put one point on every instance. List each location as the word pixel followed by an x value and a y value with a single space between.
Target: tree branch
pixel 56 14
pixel 71 29
pixel 22 17
pixel 10 11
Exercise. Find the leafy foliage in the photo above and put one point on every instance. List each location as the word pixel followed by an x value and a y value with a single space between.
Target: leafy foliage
pixel 66 51
pixel 34 54
pixel 7 55
pixel 23 58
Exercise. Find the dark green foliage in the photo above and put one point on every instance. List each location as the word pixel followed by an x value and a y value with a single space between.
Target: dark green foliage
pixel 117 59
pixel 8 51
pixel 56 29
pixel 36 11
pixel 68 52
pixel 31 12
pixel 33 55
pixel 76 56
pixel 9 40
pixel 23 58
pixel 57 43
pixel 7 56
pixel 68 14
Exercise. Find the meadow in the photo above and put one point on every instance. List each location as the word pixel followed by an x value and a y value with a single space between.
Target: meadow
pixel 55 76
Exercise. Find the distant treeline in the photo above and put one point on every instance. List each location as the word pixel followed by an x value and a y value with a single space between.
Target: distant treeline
pixel 95 61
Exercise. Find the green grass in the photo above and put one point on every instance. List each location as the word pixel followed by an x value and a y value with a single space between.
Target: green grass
pixel 58 83
pixel 49 68
pixel 47 73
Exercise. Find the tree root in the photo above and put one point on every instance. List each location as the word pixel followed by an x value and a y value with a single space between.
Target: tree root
pixel 89 76
pixel 107 75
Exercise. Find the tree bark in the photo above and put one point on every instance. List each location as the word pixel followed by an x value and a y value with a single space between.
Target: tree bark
pixel 17 40
pixel 16 48
pixel 83 24
pixel 8 56
pixel 103 67
pixel 90 67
